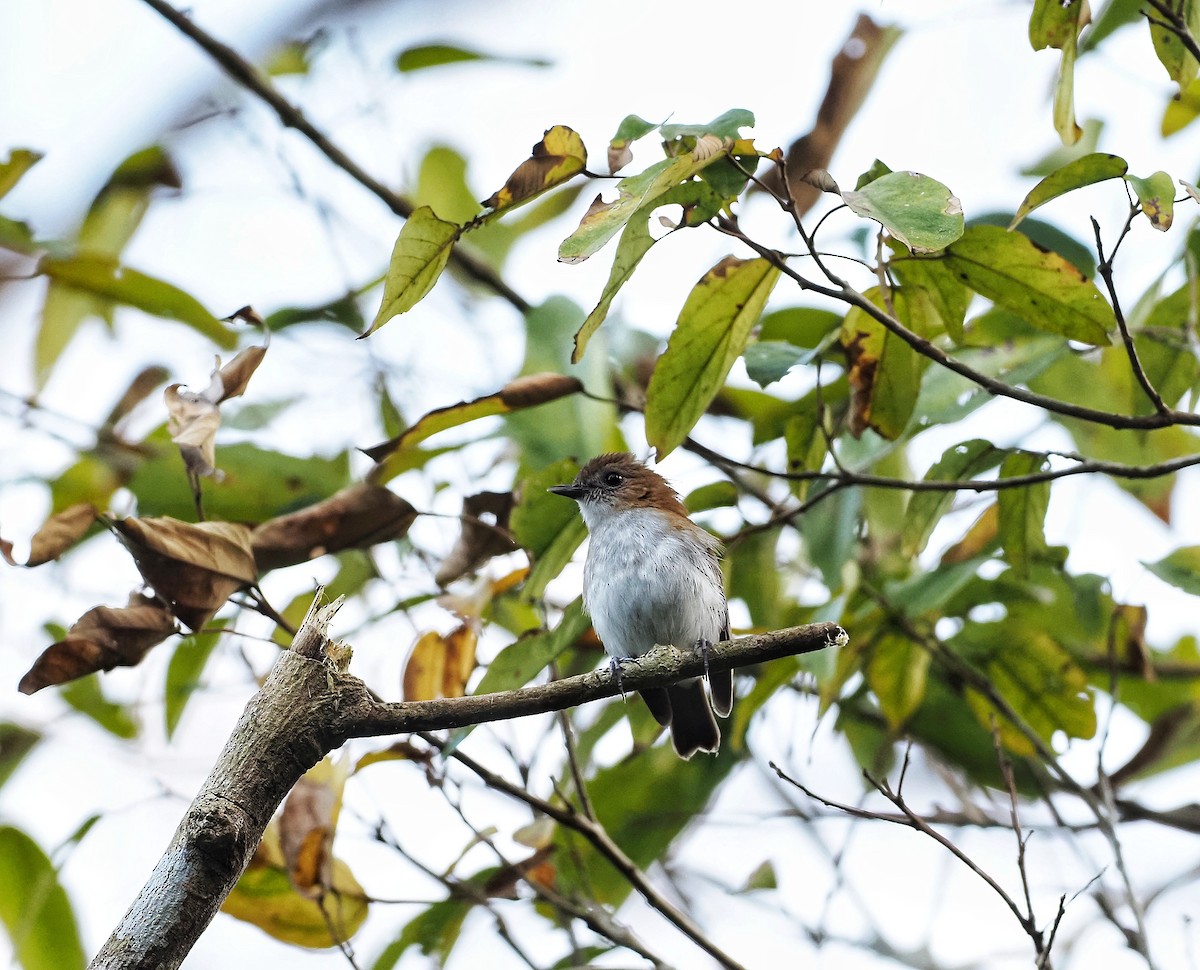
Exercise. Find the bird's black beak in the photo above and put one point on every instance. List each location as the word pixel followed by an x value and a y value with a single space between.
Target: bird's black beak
pixel 567 491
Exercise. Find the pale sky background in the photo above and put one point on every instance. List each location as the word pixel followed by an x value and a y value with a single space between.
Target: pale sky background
pixel 960 98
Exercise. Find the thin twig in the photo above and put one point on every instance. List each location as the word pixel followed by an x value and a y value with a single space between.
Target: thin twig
pixel 602 842
pixel 844 293
pixel 248 77
pixel 1105 269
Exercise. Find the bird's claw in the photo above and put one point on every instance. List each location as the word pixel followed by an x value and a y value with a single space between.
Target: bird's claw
pixel 704 645
pixel 614 665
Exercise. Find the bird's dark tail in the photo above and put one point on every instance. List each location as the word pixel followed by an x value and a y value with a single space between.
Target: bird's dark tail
pixel 693 727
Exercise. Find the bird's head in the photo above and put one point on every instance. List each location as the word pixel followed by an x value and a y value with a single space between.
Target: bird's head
pixel 617 482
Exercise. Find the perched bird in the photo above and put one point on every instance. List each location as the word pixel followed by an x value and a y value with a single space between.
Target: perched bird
pixel 651 579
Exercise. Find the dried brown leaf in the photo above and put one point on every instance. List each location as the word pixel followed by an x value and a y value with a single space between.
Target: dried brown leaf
pixel 59 533
pixel 103 638
pixel 194 567
pixel 235 375
pixel 192 422
pixel 357 517
pixel 484 535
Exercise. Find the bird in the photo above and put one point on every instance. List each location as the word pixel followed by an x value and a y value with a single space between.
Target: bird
pixel 652 577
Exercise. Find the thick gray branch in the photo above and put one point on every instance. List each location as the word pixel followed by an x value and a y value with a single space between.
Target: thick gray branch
pixel 307 708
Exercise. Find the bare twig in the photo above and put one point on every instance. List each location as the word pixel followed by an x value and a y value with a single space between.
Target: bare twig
pixel 245 74
pixel 1105 269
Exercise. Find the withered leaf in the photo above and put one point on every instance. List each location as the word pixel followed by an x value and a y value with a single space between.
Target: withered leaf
pixel 558 157
pixel 851 75
pixel 103 638
pixel 194 417
pixel 439 666
pixel 357 517
pixel 484 535
pixel 523 392
pixel 194 567
pixel 59 533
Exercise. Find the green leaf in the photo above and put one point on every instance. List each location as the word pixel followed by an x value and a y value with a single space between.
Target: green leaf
pixel 434 930
pixel 768 361
pixel 925 509
pixel 1181 569
pixel 877 171
pixel 421 252
pixel 763 877
pixel 1115 15
pixel 1172 53
pixel 884 371
pixel 711 334
pixel 438 55
pixel 1037 285
pixel 548 526
pixel 13 168
pixel 1088 170
pixel 34 908
pixel 527 391
pixel 342 310
pixel 753 576
pixel 629 130
pixel 917 210
pixel 1181 110
pixel 1055 23
pixel 1036 676
pixel 605 219
pixel 896 672
pixel 726 125
pixel 1156 195
pixel 518 663
pixel 258 485
pixel 1023 511
pixel 185 670
pixel 800 325
pixel 103 276
pixel 831 537
pixel 15 743
pixel 86 696
pixel 945 295
pixel 714 495
pixel 700 203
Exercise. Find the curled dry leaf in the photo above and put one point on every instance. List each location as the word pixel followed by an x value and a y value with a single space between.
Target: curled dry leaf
pixel 103 638
pixel 523 392
pixel 194 567
pixel 193 418
pixel 440 665
pixel 355 518
pixel 59 533
pixel 484 535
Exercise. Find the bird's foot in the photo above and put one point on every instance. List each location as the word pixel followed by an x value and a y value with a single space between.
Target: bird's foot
pixel 703 645
pixel 614 665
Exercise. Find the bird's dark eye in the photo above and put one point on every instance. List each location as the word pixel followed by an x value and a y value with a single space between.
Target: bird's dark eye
pixel 613 479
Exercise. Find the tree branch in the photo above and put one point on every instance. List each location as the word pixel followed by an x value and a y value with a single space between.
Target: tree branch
pixel 247 76
pixel 308 707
